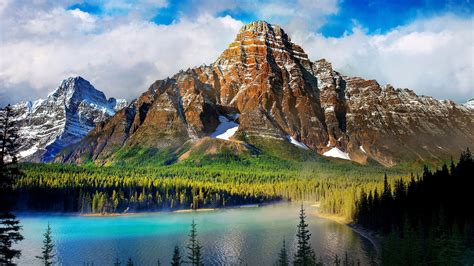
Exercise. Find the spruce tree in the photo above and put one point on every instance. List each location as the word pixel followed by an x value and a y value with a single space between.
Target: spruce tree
pixel 194 247
pixel 304 253
pixel 9 225
pixel 283 256
pixel 47 253
pixel 176 260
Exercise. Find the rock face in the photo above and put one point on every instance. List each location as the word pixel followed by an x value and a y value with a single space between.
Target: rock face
pixel 267 85
pixel 63 118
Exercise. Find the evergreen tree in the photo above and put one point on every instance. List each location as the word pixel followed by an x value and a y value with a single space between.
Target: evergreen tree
pixel 117 262
pixel 129 262
pixel 283 256
pixel 47 253
pixel 194 247
pixel 304 254
pixel 176 260
pixel 9 225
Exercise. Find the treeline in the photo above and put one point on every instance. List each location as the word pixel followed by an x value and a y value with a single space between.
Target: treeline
pixel 427 220
pixel 87 189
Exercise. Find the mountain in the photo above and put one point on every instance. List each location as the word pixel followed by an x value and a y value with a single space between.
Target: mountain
pixel 470 104
pixel 63 118
pixel 263 92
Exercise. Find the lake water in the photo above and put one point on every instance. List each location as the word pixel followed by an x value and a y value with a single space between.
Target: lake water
pixel 250 236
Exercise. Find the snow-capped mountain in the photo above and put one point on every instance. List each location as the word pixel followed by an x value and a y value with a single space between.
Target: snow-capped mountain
pixel 63 118
pixel 470 104
pixel 264 86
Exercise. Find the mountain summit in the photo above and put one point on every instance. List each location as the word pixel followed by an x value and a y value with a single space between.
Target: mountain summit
pixel 263 87
pixel 63 118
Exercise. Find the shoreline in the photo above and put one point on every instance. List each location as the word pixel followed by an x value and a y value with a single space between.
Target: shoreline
pixel 168 211
pixel 341 220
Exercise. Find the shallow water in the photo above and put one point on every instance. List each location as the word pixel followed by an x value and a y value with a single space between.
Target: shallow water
pixel 250 236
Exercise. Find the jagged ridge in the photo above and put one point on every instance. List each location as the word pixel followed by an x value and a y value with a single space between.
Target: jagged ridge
pixel 267 85
pixel 63 118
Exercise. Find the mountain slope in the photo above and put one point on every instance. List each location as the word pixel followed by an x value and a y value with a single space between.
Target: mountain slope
pixel 63 118
pixel 268 88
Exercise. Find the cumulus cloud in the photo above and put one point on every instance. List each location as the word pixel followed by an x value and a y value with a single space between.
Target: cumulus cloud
pixel 122 60
pixel 44 42
pixel 432 56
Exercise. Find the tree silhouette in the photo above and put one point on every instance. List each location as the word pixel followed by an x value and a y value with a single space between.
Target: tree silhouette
pixel 47 253
pixel 194 247
pixel 304 253
pixel 9 225
pixel 283 256
pixel 176 260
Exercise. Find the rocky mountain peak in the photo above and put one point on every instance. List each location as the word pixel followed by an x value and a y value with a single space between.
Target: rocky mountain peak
pixel 263 86
pixel 262 29
pixel 63 118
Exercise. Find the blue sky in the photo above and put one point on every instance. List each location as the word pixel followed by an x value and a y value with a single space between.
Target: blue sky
pixel 375 16
pixel 121 46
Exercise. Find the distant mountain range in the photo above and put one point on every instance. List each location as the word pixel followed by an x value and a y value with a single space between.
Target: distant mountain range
pixel 63 118
pixel 262 92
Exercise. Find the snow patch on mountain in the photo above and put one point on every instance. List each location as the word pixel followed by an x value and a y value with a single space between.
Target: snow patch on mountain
pixel 226 129
pixel 337 153
pixel 297 143
pixel 470 104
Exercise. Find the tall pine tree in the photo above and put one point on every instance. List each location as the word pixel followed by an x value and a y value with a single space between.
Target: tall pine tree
pixel 194 247
pixel 304 253
pixel 9 225
pixel 47 251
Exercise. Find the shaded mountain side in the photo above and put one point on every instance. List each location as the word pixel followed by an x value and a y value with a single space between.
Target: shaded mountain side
pixel 267 85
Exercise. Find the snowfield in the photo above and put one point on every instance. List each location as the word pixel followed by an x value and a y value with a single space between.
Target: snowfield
pixel 337 153
pixel 225 130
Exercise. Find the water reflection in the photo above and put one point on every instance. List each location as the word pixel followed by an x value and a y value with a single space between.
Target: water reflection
pixel 232 236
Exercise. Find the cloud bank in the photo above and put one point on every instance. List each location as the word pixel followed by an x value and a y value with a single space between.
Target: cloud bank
pixel 45 42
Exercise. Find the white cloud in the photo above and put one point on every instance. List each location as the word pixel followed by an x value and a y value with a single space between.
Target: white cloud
pixel 43 43
pixel 122 61
pixel 432 56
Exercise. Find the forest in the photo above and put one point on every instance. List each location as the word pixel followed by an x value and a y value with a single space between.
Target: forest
pixel 95 189
pixel 427 220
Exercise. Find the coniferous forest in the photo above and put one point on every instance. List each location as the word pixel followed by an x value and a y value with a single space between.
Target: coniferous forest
pixel 427 220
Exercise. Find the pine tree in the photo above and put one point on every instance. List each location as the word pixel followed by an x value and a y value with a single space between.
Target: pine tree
pixel 304 254
pixel 283 256
pixel 129 262
pixel 176 260
pixel 117 262
pixel 194 247
pixel 9 225
pixel 47 253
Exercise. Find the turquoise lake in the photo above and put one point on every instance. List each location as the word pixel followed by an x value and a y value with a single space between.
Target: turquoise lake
pixel 231 236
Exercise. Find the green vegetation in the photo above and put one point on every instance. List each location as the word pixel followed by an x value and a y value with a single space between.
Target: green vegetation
pixel 47 251
pixel 423 221
pixel 211 181
pixel 304 255
pixel 194 247
pixel 9 225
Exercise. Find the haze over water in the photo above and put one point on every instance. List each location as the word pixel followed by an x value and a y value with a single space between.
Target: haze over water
pixel 250 236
